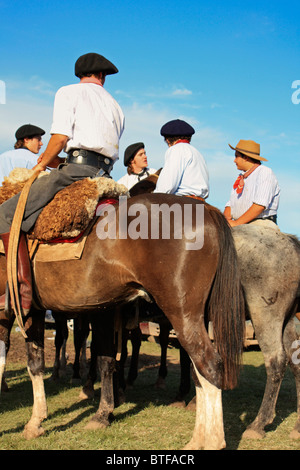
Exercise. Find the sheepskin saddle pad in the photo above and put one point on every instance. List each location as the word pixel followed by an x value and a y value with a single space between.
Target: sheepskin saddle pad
pixel 71 210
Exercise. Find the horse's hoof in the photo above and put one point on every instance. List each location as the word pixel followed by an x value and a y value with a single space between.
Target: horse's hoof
pixel 295 434
pixel 160 384
pixel 32 432
pixel 75 381
pixel 4 387
pixel 86 393
pixel 178 404
pixel 95 425
pixel 253 434
pixel 192 405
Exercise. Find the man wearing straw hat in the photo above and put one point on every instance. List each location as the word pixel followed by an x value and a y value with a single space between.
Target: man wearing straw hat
pixel 255 193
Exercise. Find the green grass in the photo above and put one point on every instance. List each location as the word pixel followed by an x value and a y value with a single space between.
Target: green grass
pixel 145 421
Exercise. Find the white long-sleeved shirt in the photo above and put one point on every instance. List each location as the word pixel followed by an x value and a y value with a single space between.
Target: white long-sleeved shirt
pixel 184 172
pixel 130 180
pixel 260 187
pixel 90 117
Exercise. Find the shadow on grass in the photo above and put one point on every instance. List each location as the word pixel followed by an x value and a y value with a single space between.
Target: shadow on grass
pixel 240 406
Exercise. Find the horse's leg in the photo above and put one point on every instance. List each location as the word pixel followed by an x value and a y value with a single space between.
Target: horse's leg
pixel 292 347
pixel 81 332
pixel 88 388
pixel 270 342
pixel 164 331
pixel 121 363
pixel 104 330
pixel 185 376
pixel 194 338
pixel 5 329
pixel 136 341
pixel 61 336
pixel 34 327
pixel 209 429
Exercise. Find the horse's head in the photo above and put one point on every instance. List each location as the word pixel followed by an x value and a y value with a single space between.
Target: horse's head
pixel 146 185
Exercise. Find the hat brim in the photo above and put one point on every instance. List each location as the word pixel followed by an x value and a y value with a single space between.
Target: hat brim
pixel 249 154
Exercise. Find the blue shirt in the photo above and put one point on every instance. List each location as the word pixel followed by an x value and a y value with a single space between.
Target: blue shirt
pixel 184 172
pixel 18 158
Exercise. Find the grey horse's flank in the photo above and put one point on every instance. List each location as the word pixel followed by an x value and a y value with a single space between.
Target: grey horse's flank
pixel 269 261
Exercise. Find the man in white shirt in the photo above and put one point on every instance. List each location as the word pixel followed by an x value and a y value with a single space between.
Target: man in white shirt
pixel 256 193
pixel 184 172
pixel 87 124
pixel 27 146
pixel 135 159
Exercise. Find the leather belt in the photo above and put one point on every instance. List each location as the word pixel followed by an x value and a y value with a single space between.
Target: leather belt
pixel 269 217
pixel 88 157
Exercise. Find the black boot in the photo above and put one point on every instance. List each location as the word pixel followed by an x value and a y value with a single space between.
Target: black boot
pixel 24 273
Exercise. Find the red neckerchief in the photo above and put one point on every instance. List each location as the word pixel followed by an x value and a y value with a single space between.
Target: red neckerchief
pixel 182 141
pixel 239 183
pixel 90 80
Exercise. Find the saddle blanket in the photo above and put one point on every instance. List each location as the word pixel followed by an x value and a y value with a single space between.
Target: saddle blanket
pixel 69 217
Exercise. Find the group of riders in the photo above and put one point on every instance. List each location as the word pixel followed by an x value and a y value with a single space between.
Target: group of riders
pixel 87 125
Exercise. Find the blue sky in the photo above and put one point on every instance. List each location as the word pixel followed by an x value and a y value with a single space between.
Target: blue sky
pixel 227 67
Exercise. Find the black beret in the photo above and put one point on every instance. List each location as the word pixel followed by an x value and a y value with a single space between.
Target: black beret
pixel 131 151
pixel 94 63
pixel 177 128
pixel 28 130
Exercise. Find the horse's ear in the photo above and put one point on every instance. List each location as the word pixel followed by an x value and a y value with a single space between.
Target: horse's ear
pixel 146 185
pixel 142 187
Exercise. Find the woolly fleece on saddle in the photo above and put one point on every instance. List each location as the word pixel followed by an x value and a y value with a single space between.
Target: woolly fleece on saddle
pixel 71 210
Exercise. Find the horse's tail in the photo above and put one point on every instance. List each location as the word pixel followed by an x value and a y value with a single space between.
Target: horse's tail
pixel 226 304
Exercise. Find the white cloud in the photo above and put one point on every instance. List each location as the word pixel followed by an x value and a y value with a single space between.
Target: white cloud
pixel 41 86
pixel 181 92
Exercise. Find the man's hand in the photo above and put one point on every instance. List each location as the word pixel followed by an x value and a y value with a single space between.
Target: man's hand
pixel 252 213
pixel 55 145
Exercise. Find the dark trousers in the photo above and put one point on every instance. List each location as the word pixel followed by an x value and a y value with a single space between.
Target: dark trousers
pixel 42 192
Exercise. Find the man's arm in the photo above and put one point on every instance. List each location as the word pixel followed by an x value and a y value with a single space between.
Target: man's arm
pixel 55 145
pixel 252 213
pixel 227 212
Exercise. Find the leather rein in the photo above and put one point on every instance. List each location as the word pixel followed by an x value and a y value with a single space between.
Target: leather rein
pixel 12 255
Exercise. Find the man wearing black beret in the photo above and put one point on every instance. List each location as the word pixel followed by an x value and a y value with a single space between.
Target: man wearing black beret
pixel 87 125
pixel 135 159
pixel 27 146
pixel 184 172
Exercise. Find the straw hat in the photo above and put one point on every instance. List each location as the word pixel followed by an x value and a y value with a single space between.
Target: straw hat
pixel 249 148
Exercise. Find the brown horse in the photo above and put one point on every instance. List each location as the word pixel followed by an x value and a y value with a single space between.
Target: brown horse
pixel 269 262
pixel 190 286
